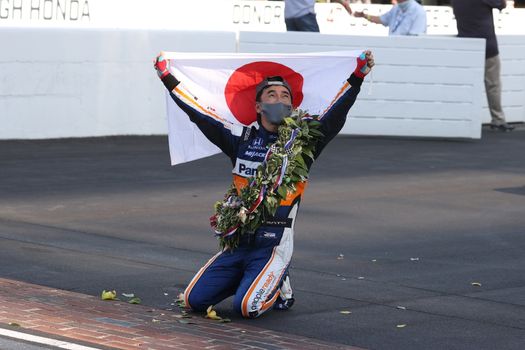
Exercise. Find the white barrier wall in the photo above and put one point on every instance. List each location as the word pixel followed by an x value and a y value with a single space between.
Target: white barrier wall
pixel 84 82
pixel 423 86
pixel 97 82
pixel 90 76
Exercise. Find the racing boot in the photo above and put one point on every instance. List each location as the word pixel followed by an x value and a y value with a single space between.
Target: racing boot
pixel 285 299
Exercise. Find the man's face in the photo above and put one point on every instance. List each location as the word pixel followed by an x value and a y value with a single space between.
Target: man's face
pixel 274 94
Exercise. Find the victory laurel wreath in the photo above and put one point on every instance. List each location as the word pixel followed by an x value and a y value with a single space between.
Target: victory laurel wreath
pixel 283 167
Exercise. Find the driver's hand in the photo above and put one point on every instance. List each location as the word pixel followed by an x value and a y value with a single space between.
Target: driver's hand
pixel 365 62
pixel 161 65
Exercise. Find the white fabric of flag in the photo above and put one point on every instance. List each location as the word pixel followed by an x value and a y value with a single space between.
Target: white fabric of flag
pixel 224 84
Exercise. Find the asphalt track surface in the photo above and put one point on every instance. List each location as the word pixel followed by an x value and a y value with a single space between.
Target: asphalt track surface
pixel 416 221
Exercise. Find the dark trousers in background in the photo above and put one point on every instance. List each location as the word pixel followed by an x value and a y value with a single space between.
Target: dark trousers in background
pixel 306 23
pixel 493 89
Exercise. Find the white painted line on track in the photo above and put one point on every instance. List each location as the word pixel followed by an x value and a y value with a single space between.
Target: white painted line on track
pixel 42 340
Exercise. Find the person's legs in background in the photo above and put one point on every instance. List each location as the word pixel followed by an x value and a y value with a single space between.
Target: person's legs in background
pixel 493 90
pixel 290 25
pixel 306 23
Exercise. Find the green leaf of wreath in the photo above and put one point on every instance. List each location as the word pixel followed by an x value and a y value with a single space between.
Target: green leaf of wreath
pixel 316 133
pixel 232 212
pixel 282 192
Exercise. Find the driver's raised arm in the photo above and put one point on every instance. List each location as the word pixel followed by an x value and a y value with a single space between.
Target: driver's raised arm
pixel 216 129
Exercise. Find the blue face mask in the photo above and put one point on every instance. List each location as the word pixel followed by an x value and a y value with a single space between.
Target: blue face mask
pixel 276 112
pixel 404 5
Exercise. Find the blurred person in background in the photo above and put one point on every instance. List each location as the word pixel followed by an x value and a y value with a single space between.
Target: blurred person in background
pixel 519 3
pixel 299 16
pixel 475 20
pixel 407 17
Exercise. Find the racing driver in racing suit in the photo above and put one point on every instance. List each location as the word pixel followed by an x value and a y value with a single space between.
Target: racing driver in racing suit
pixel 256 272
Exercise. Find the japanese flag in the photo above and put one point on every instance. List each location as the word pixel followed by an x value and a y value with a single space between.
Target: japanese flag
pixel 223 85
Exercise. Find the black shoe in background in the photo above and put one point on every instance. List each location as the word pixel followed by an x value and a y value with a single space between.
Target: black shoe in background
pixel 502 127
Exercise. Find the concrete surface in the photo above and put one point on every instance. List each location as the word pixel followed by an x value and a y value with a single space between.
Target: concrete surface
pixel 420 220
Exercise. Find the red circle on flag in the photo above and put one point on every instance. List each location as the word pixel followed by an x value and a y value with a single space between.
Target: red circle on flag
pixel 240 88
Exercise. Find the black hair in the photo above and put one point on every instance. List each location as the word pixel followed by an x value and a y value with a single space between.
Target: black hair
pixel 266 82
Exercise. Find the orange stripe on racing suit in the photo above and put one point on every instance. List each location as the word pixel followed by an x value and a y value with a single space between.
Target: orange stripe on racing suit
pixel 240 182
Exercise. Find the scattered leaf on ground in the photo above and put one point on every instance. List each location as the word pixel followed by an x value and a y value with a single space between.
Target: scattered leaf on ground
pixel 401 307
pixel 414 259
pixel 180 301
pixel 401 325
pixel 155 320
pixel 212 314
pixel 108 295
pixel 225 320
pixel 360 278
pixel 476 284
pixel 128 295
pixel 135 300
pixel 345 312
pixel 14 324
pixel 166 294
